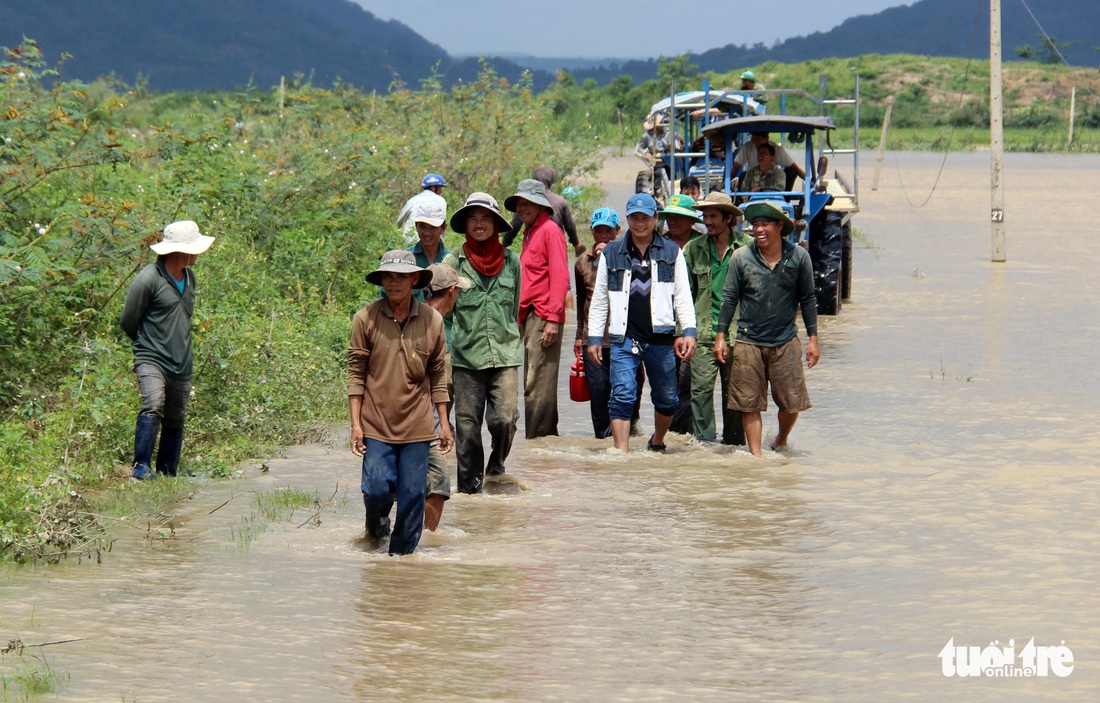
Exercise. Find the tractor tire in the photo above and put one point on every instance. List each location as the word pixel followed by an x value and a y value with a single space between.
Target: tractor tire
pixel 827 257
pixel 846 268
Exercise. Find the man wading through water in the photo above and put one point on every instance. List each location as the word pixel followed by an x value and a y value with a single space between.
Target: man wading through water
pixel 641 293
pixel 770 278
pixel 485 343
pixel 157 317
pixel 397 360
pixel 544 265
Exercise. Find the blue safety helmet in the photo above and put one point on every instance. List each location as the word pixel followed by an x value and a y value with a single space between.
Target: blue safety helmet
pixel 433 179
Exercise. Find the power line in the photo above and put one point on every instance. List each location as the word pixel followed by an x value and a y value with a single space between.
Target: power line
pixel 954 119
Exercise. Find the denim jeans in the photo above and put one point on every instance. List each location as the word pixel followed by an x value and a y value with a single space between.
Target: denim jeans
pixel 599 392
pixel 660 368
pixel 489 395
pixel 163 397
pixel 400 469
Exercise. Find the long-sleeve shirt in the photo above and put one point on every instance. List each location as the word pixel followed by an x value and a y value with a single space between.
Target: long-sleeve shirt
pixel 484 334
pixel 405 217
pixel 561 214
pixel 399 369
pixel 584 274
pixel 157 317
pixel 769 297
pixel 544 263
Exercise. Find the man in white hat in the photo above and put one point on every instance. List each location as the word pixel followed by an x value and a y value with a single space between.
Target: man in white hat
pixel 544 266
pixel 431 191
pixel 397 360
pixel 157 317
pixel 770 279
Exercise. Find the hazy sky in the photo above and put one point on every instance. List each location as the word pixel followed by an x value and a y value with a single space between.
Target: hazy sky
pixel 613 28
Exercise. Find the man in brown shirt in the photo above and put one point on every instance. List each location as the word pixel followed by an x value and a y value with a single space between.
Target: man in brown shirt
pixel 397 363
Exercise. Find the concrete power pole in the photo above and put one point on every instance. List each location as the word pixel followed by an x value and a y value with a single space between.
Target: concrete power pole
pixel 996 132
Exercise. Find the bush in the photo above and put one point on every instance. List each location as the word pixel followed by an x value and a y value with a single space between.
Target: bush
pixel 302 199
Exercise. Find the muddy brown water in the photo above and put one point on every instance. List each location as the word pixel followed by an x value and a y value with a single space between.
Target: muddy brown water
pixel 944 486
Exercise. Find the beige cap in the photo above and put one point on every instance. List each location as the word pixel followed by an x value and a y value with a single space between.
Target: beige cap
pixel 443 277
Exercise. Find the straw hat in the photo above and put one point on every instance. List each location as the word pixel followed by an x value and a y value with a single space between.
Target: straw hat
pixel 719 201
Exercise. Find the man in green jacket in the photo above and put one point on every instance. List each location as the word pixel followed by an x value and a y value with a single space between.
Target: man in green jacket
pixel 486 350
pixel 157 317
pixel 707 261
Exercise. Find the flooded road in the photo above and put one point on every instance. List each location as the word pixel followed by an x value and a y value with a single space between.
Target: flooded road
pixel 945 486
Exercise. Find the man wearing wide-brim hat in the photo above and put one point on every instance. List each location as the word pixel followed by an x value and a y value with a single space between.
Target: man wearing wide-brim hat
pixel 157 317
pixel 544 267
pixel 770 279
pixel 485 341
pixel 397 363
pixel 708 261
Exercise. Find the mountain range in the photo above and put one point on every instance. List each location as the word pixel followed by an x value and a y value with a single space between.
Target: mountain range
pixel 201 44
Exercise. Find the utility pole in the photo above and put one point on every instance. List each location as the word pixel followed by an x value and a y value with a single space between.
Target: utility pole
pixel 996 132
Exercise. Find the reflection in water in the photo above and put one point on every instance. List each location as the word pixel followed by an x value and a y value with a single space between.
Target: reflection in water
pixel 944 485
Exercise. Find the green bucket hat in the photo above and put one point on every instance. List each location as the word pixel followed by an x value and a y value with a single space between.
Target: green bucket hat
pixel 531 190
pixel 770 210
pixel 681 204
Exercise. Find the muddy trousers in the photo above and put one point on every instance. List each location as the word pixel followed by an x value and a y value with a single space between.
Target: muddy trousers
pixel 395 470
pixel 540 379
pixel 163 409
pixel 704 370
pixel 489 396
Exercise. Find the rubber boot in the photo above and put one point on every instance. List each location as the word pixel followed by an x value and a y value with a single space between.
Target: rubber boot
pixel 168 455
pixel 145 438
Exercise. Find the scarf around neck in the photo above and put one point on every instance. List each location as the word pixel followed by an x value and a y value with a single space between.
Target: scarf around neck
pixel 486 257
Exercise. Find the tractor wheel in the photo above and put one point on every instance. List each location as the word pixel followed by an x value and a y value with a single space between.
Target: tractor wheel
pixel 846 268
pixel 827 257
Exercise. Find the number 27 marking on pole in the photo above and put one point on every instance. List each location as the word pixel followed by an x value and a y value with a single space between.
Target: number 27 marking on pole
pixel 998 215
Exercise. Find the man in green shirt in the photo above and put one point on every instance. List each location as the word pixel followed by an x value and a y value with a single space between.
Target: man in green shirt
pixel 157 317
pixel 486 349
pixel 771 279
pixel 707 260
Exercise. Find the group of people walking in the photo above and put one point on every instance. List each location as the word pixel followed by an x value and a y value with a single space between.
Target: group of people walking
pixel 452 328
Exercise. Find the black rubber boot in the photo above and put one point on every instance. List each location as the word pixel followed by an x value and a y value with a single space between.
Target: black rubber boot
pixel 168 455
pixel 145 438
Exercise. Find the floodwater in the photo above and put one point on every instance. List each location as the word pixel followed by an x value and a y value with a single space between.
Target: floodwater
pixel 944 486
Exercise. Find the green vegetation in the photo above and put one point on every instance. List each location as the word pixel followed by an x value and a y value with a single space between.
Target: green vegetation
pixel 29 677
pixel 301 197
pixel 939 103
pixel 301 190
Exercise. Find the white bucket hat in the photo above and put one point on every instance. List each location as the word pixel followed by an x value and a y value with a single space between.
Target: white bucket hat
pixel 183 237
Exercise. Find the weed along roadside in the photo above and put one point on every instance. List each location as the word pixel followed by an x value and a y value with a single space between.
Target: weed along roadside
pixel 298 199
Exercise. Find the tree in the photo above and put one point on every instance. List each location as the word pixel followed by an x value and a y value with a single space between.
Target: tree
pixel 1051 51
pixel 676 70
